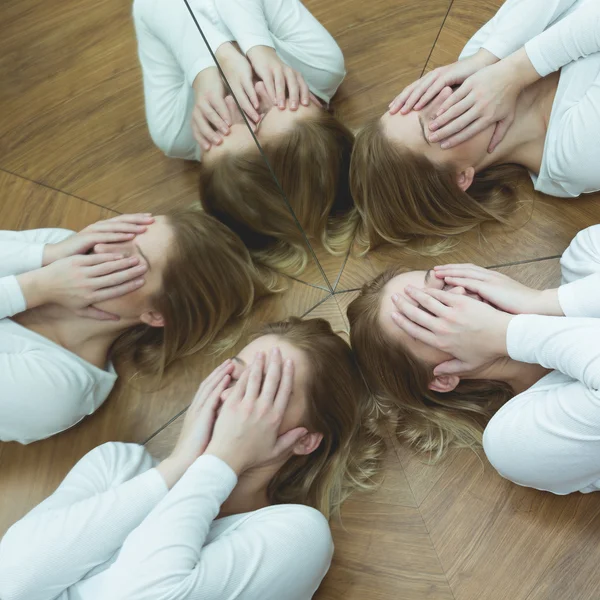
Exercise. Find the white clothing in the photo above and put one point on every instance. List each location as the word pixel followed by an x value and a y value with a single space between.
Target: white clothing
pixel 112 530
pixel 557 34
pixel 44 388
pixel 172 53
pixel 548 437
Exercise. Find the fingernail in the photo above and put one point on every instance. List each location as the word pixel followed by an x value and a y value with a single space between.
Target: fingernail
pixel 119 256
pixel 147 214
pixel 225 130
pixel 409 288
pixel 139 282
pixel 288 362
pixel 444 145
pixel 433 137
pixel 433 126
pixel 395 298
pixel 395 315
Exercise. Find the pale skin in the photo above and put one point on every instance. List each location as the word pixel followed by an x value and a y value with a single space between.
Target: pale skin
pixel 77 307
pixel 457 320
pixel 498 115
pixel 260 81
pixel 251 413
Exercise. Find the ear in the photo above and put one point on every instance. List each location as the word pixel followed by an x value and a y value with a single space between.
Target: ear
pixel 465 178
pixel 307 443
pixel 444 383
pixel 153 319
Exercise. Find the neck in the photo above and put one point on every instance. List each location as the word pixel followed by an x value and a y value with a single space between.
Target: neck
pixel 250 493
pixel 520 376
pixel 525 138
pixel 89 339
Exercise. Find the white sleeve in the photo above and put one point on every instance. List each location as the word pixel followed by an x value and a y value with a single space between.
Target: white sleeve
pixel 297 36
pixel 575 36
pixel 104 497
pixel 278 552
pixel 172 53
pixel 566 344
pixel 548 437
pixel 515 23
pixel 41 394
pixel 20 252
pixel 579 296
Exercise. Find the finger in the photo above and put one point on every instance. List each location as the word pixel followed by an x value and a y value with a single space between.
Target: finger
pixel 200 139
pixel 215 119
pixel 119 227
pixel 112 266
pixel 499 132
pixel 272 378
pixel 315 100
pixel 398 102
pixel 459 109
pixel 445 299
pixel 287 441
pixel 418 92
pixel 279 80
pixel 213 397
pixel 206 129
pixel 433 300
pixel 396 301
pixel 239 390
pixel 454 127
pixel 248 100
pixel 416 313
pixel 117 291
pixel 305 95
pixel 212 380
pixel 450 367
pixel 413 330
pixel 469 271
pixel 89 260
pixel 256 377
pixel 293 88
pixel 136 218
pixel 466 134
pixel 286 385
pixel 473 285
pixel 220 106
pixel 116 279
pixel 457 95
pixel 270 87
pixel 91 312
pixel 431 92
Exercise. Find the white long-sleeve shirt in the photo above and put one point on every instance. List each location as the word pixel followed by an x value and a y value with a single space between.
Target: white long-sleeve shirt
pixel 44 388
pixel 172 53
pixel 112 530
pixel 548 437
pixel 565 35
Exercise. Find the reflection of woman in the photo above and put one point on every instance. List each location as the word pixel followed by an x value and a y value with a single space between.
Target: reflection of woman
pixel 292 57
pixel 269 448
pixel 142 296
pixel 529 98
pixel 449 360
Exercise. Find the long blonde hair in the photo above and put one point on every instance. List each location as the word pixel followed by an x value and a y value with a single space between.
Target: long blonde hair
pixel 311 163
pixel 402 196
pixel 429 421
pixel 209 287
pixel 340 407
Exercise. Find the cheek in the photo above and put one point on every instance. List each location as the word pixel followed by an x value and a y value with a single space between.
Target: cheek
pixel 130 305
pixel 293 418
pixel 429 355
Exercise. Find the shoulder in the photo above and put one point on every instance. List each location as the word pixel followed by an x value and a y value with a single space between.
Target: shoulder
pixel 119 461
pixel 297 527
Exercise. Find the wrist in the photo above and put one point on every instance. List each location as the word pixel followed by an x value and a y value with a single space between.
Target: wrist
pixel 172 470
pixel 34 289
pixel 501 345
pixel 485 58
pixel 49 254
pixel 232 460
pixel 521 69
pixel 548 304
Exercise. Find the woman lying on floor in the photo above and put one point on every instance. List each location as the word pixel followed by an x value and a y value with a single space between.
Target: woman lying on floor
pixel 441 357
pixel 268 450
pixel 143 295
pixel 529 98
pixel 288 60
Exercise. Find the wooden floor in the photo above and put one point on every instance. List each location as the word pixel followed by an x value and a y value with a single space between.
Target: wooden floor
pixel 74 148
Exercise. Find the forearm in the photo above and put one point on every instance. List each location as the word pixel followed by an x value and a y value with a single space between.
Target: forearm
pixel 577 35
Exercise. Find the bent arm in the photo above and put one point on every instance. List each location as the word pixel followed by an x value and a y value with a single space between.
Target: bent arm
pixel 296 35
pixel 104 497
pixel 21 252
pixel 515 23
pixel 167 555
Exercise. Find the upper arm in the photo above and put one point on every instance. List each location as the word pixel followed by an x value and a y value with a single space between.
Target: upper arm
pixel 41 395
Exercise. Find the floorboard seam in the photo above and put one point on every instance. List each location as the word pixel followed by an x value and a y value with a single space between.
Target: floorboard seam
pixel 525 261
pixel 437 37
pixel 54 189
pixel 162 427
pixel 317 304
